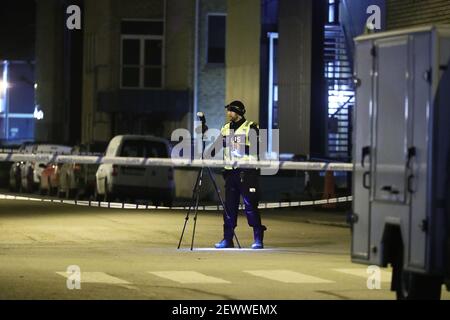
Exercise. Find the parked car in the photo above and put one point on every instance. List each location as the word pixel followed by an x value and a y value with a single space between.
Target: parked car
pixel 16 168
pixel 5 166
pixel 49 180
pixel 155 183
pixel 77 180
pixel 31 171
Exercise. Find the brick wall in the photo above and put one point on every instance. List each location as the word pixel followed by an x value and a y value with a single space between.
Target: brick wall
pixel 408 13
pixel 211 77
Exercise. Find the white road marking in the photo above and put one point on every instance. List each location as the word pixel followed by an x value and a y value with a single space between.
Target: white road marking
pixel 187 277
pixel 203 208
pixel 362 273
pixel 287 276
pixel 229 249
pixel 96 277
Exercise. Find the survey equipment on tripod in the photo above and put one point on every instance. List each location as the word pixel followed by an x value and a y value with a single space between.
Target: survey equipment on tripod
pixel 197 189
pixel 204 127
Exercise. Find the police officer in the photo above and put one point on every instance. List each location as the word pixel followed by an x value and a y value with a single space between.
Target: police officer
pixel 240 182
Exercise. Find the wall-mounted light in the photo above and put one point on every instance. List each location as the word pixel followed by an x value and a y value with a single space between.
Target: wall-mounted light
pixel 4 85
pixel 38 114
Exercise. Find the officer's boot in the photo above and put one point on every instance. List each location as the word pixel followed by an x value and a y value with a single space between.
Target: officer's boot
pixel 258 233
pixel 227 241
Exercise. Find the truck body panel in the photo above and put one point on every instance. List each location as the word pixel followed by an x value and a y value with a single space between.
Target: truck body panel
pixel 401 148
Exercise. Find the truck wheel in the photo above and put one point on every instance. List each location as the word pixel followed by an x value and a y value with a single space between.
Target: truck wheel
pixel 415 286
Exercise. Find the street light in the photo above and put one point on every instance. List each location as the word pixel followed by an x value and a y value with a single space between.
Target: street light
pixel 4 103
pixel 38 114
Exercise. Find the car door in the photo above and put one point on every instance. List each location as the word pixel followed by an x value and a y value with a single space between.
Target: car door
pixel 158 176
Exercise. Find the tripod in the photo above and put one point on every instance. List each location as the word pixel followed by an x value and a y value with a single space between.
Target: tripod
pixel 196 194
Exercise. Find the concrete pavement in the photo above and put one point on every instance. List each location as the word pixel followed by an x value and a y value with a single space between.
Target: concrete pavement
pixel 124 254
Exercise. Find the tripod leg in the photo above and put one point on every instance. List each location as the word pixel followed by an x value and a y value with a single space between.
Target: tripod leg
pixel 196 208
pixel 194 192
pixel 221 202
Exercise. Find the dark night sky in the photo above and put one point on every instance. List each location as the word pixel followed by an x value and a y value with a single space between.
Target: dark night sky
pixel 17 29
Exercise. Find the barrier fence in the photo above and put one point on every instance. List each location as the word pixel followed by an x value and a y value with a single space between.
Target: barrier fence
pixel 120 205
pixel 168 162
pixel 273 166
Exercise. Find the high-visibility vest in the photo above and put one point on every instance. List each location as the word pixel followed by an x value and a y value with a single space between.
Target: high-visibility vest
pixel 236 143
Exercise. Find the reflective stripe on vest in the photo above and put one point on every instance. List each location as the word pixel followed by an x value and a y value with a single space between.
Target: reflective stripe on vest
pixel 234 149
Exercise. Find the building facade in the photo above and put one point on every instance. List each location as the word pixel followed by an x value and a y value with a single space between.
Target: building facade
pixel 148 66
pixel 409 13
pixel 137 67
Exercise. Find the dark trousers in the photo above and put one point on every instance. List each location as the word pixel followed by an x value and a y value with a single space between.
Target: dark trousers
pixel 241 183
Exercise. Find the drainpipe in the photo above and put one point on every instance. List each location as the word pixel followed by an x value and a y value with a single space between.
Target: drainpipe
pixel 195 85
pixel 164 43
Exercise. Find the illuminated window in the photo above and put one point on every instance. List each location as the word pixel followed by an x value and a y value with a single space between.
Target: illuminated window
pixel 333 11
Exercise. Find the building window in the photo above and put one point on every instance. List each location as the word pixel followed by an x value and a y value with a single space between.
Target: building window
pixel 333 11
pixel 142 54
pixel 216 38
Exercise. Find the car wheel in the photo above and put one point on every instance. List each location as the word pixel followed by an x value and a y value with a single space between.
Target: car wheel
pixel 78 194
pixel 49 188
pixel 107 197
pixel 59 192
pixel 21 189
pixel 96 196
pixel 168 203
pixel 68 194
pixel 30 182
pixel 42 191
pixel 72 194
pixel 15 185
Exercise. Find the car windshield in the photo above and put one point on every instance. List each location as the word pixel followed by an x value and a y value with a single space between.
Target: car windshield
pixel 143 149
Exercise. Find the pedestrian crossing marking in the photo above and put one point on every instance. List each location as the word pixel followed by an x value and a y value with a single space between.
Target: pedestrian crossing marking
pixel 96 277
pixel 190 277
pixel 187 277
pixel 287 276
pixel 362 273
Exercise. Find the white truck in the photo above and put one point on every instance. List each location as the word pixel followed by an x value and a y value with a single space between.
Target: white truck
pixel 401 157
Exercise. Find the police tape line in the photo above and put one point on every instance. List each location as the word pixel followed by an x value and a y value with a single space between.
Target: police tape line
pixel 270 165
pixel 120 205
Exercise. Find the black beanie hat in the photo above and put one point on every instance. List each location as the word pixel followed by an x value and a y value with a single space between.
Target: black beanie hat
pixel 236 106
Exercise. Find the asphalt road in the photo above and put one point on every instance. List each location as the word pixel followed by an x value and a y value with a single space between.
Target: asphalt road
pixel 131 254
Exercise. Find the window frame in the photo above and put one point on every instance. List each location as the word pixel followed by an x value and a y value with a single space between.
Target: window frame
pixel 142 66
